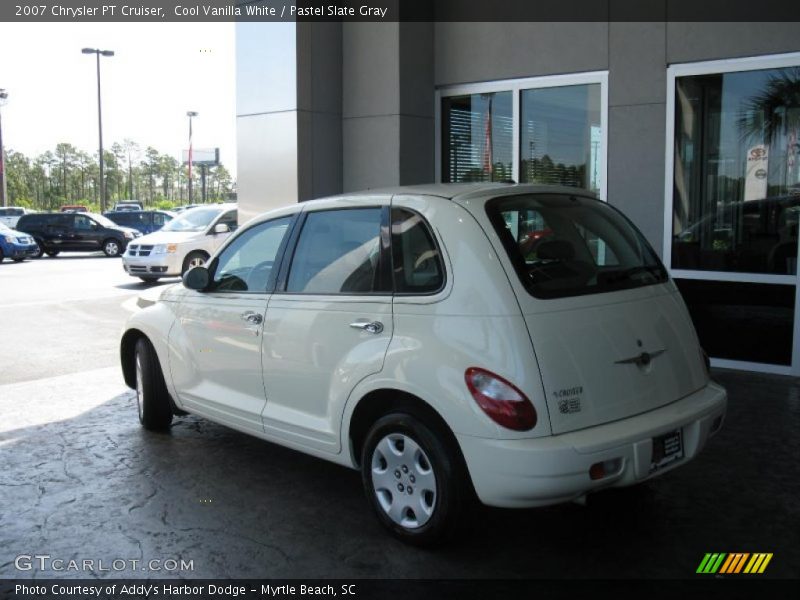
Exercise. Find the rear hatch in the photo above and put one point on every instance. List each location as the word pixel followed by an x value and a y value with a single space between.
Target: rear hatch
pixel 601 363
pixel 611 334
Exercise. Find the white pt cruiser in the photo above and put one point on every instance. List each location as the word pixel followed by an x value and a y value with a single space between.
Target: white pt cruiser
pixel 519 343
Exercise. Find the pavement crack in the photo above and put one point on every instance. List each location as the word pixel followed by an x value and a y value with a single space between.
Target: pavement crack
pixel 143 502
pixel 241 537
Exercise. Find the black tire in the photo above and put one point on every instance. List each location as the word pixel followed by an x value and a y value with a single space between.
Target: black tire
pixel 2 256
pixel 149 279
pixel 194 257
pixel 446 504
pixel 39 249
pixel 52 253
pixel 15 260
pixel 152 397
pixel 112 248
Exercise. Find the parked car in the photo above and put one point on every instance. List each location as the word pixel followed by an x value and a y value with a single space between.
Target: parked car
pixel 16 245
pixel 144 221
pixel 74 208
pixel 180 209
pixel 405 334
pixel 186 241
pixel 9 215
pixel 128 205
pixel 76 232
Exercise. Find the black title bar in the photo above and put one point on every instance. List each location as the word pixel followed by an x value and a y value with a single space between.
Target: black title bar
pixel 145 11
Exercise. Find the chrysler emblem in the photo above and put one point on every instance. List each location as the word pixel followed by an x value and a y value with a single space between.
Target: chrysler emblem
pixel 641 360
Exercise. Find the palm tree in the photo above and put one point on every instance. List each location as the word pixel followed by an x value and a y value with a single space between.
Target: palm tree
pixel 774 109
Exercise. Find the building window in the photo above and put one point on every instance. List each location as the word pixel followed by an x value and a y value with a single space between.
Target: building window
pixel 549 130
pixel 736 196
pixel 733 206
pixel 560 136
pixel 477 130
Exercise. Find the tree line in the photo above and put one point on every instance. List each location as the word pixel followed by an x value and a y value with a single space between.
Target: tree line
pixel 68 175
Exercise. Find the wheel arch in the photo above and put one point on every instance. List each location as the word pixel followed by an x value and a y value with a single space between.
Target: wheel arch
pixel 127 353
pixel 383 401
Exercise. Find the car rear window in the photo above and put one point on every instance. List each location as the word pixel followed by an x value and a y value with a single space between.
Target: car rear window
pixel 570 245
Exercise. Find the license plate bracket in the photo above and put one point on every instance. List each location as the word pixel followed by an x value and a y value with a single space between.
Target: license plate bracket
pixel 667 449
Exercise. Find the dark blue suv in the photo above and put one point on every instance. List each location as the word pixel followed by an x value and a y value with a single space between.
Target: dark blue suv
pixel 146 221
pixel 16 245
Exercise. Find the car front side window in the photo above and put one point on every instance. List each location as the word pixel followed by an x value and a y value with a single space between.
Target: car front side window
pixel 246 265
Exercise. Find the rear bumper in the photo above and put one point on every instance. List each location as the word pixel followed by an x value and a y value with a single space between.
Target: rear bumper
pixel 554 469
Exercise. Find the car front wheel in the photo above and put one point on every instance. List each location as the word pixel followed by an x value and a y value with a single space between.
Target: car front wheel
pixel 194 259
pixel 152 397
pixel 39 250
pixel 111 248
pixel 413 479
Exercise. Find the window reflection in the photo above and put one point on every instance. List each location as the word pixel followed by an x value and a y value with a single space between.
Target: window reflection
pixel 477 133
pixel 560 136
pixel 737 173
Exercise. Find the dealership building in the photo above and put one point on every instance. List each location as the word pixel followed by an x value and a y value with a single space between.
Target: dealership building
pixel 691 129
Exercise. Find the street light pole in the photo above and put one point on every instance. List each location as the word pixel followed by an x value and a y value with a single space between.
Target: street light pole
pixel 97 52
pixel 190 114
pixel 3 187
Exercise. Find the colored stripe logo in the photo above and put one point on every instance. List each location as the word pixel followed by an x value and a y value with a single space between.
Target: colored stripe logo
pixel 734 563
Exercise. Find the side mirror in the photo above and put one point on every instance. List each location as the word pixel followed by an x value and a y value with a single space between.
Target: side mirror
pixel 196 278
pixel 221 228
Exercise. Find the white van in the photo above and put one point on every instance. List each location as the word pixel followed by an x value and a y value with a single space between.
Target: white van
pixel 185 242
pixel 518 343
pixel 9 215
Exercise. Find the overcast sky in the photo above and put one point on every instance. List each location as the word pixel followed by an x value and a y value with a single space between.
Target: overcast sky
pixel 159 72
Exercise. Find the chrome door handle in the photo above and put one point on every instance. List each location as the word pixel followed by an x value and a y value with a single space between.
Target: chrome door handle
pixel 368 326
pixel 252 317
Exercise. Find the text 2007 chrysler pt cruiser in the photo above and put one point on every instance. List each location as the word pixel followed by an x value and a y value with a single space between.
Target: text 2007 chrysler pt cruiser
pixel 522 343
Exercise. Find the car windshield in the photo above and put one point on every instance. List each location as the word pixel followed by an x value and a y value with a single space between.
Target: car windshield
pixel 569 245
pixel 196 219
pixel 104 221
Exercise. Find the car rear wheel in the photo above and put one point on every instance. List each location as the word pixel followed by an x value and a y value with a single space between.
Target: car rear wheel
pixel 152 397
pixel 15 260
pixel 413 479
pixel 194 259
pixel 111 248
pixel 39 250
pixel 2 256
pixel 52 253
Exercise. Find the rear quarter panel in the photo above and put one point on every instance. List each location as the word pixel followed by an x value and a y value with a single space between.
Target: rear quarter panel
pixel 474 321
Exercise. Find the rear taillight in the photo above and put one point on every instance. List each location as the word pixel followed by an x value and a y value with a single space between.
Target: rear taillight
pixel 500 400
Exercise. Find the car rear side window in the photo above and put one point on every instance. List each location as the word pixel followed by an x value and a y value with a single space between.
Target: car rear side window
pixel 338 252
pixel 416 259
pixel 569 245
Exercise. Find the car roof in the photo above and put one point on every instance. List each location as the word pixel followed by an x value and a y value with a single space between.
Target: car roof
pixel 462 193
